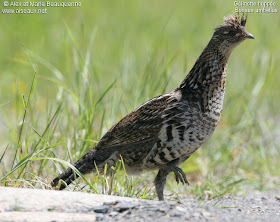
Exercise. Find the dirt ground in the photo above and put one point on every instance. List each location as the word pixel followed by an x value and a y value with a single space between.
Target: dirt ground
pixel 17 204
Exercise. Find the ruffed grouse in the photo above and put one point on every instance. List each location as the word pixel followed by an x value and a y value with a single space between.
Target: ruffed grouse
pixel 166 130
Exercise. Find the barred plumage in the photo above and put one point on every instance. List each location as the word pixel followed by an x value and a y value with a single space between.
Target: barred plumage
pixel 164 132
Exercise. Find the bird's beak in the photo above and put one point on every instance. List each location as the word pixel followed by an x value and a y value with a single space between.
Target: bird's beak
pixel 249 36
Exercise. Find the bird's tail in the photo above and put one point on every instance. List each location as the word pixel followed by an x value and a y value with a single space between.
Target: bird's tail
pixel 84 165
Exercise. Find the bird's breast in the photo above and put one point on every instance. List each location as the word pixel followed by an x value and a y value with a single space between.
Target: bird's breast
pixel 182 137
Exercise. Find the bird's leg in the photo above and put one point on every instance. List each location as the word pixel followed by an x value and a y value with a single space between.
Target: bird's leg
pixel 179 173
pixel 160 181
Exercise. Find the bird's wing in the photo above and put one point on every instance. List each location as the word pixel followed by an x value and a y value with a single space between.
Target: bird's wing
pixel 143 124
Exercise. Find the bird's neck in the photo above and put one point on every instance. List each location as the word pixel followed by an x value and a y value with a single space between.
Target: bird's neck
pixel 208 71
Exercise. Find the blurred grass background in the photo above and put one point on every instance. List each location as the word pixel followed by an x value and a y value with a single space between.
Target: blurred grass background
pixel 96 63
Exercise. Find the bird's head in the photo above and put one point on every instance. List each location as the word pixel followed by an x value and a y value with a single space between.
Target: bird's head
pixel 230 34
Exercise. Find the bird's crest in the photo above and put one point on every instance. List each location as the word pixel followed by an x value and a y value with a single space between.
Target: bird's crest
pixel 234 21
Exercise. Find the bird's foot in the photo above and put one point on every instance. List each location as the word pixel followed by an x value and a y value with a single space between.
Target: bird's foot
pixel 180 175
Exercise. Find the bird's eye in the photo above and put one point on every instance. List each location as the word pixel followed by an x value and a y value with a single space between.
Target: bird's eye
pixel 231 33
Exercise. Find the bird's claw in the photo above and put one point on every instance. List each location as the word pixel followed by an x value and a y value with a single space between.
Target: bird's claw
pixel 180 176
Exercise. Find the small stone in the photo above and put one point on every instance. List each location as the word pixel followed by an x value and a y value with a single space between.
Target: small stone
pixel 166 216
pixel 100 217
pixel 181 215
pixel 180 209
pixel 101 209
pixel 113 213
pixel 206 214
pixel 162 210
pixel 156 208
pixel 196 214
pixel 123 206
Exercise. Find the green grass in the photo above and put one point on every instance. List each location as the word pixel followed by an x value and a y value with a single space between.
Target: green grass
pixel 68 76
